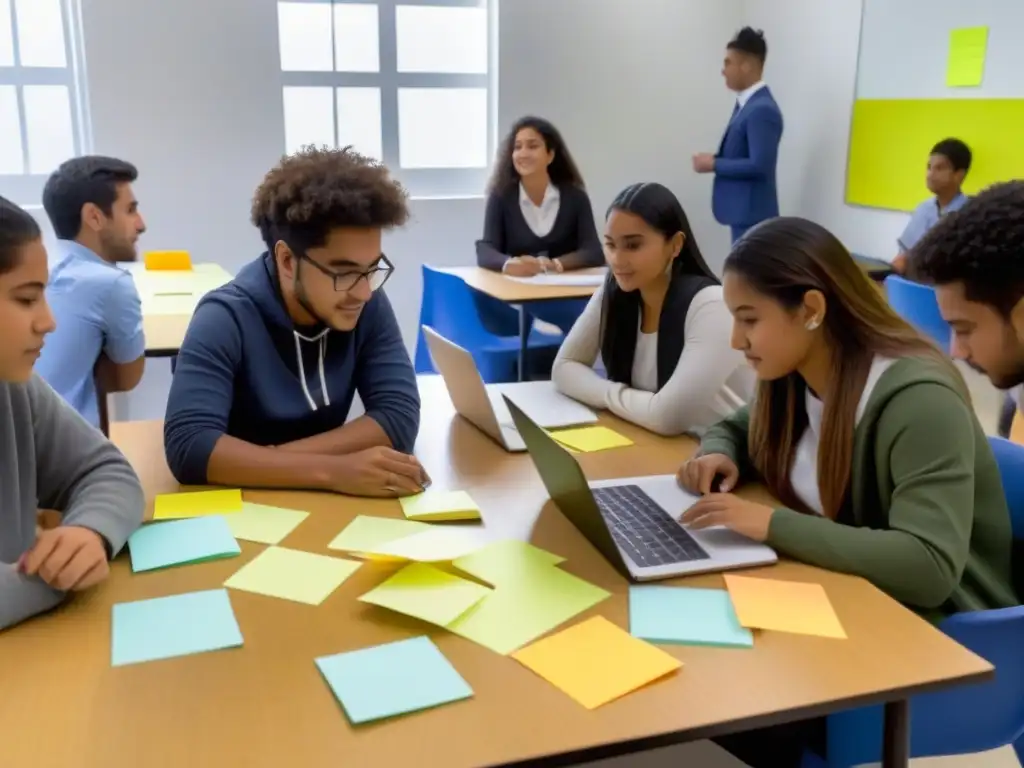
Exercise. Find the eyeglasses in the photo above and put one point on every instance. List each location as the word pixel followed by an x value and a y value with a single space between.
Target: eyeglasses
pixel 348 279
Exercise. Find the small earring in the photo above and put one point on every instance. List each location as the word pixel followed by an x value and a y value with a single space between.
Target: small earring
pixel 812 324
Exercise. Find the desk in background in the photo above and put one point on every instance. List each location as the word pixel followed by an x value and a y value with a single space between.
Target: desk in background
pixel 267 705
pixel 503 288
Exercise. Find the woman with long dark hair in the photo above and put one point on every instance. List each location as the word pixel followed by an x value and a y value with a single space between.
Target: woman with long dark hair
pixel 659 324
pixel 865 433
pixel 538 216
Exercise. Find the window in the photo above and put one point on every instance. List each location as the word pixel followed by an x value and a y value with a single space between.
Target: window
pixel 41 108
pixel 408 82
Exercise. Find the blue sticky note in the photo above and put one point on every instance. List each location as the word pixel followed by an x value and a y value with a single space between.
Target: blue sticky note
pixel 392 679
pixel 161 545
pixel 686 616
pixel 178 625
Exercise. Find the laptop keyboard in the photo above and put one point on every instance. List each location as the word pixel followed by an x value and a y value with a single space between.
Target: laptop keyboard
pixel 644 530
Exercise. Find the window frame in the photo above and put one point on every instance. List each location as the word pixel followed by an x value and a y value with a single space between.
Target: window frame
pixel 26 189
pixel 421 183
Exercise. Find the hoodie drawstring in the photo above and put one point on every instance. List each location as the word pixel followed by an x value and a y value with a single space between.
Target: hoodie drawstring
pixel 322 338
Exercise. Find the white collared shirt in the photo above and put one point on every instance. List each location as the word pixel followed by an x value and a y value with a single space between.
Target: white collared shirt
pixel 540 218
pixel 744 96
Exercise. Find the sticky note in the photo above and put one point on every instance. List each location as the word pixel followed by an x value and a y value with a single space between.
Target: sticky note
pixel 437 544
pixel 179 625
pixel 172 506
pixel 785 606
pixel 440 505
pixel 504 562
pixel 161 545
pixel 428 593
pixel 590 439
pixel 365 534
pixel 292 575
pixel 517 613
pixel 596 662
pixel 264 524
pixel 965 65
pixel 168 260
pixel 686 616
pixel 392 679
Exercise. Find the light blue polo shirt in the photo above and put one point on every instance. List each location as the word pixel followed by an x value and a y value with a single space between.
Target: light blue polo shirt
pixel 97 309
pixel 926 216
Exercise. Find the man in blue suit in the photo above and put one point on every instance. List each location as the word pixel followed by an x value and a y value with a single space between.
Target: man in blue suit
pixel 744 191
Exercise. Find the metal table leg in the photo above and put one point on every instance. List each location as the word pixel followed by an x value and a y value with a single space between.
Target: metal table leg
pixel 524 337
pixel 896 735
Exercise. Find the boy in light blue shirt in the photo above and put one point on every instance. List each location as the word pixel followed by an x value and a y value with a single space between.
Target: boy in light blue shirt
pixel 99 335
pixel 948 164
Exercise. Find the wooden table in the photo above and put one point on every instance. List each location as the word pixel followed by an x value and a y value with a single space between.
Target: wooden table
pixel 266 704
pixel 501 287
pixel 169 299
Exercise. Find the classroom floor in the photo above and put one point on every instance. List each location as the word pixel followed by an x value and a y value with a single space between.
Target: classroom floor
pixel 987 403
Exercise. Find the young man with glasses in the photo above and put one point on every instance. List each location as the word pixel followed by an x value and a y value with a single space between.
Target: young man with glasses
pixel 271 362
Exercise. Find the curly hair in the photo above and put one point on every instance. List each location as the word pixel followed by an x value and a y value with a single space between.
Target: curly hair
pixel 562 171
pixel 317 189
pixel 980 246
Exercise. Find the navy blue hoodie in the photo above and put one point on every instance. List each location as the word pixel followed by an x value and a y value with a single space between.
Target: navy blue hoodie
pixel 246 370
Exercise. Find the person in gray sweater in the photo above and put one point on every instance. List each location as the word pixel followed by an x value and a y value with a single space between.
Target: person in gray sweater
pixel 50 457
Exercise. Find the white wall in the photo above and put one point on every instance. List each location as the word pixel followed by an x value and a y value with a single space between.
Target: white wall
pixel 812 69
pixel 181 91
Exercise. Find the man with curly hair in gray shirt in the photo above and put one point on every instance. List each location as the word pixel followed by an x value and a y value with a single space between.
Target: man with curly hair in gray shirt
pixel 49 456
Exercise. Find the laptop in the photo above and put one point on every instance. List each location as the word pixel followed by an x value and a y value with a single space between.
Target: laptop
pixel 629 520
pixel 482 404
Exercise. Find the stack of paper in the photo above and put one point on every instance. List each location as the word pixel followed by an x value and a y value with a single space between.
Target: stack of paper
pixel 438 506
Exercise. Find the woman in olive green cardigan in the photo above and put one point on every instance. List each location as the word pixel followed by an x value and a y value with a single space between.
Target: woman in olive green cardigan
pixel 863 430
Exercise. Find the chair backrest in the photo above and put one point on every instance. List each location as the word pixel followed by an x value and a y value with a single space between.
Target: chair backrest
pixel 449 309
pixel 1010 458
pixel 916 303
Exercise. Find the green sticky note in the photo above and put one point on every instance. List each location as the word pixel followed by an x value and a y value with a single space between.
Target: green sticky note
pixel 440 505
pixel 428 593
pixel 263 524
pixel 365 534
pixel 292 575
pixel 437 544
pixel 686 616
pixel 968 47
pixel 515 614
pixel 506 562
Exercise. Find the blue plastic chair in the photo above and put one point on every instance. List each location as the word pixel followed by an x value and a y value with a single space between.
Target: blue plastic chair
pixel 449 309
pixel 916 304
pixel 965 719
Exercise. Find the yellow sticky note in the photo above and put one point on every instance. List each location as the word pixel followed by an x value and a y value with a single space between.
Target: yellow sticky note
pixel 965 67
pixel 596 662
pixel 437 544
pixel 784 606
pixel 506 562
pixel 292 575
pixel 365 534
pixel 427 593
pixel 440 505
pixel 168 260
pixel 518 612
pixel 174 506
pixel 264 524
pixel 589 439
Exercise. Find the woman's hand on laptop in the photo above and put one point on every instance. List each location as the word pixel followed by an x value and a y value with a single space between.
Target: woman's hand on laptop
pixel 381 471
pixel 697 475
pixel 747 518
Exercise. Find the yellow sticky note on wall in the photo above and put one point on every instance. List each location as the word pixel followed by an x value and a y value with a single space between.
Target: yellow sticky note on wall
pixel 965 67
pixel 168 261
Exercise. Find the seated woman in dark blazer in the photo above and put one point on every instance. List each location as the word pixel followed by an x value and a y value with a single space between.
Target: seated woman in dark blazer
pixel 538 218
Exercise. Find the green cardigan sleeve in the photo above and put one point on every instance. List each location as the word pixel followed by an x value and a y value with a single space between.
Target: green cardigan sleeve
pixel 920 558
pixel 730 438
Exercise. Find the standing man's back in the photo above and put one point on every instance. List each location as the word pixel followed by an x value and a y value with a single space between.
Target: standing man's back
pixel 99 335
pixel 745 190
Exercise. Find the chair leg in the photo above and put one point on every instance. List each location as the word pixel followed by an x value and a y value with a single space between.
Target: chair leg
pixel 1018 747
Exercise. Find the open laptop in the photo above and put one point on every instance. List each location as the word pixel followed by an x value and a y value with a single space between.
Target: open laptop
pixel 482 405
pixel 626 519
